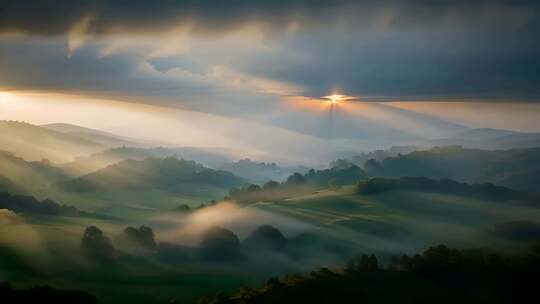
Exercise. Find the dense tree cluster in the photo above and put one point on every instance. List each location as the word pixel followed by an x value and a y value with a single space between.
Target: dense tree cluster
pixel 363 262
pixel 29 204
pixel 439 275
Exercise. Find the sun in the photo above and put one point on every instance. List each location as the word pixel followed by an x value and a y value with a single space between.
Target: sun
pixel 337 98
pixel 334 98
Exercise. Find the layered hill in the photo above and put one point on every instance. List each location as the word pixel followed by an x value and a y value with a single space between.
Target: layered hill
pixel 168 174
pixel 19 175
pixel 87 164
pixel 515 168
pixel 101 137
pixel 392 215
pixel 34 142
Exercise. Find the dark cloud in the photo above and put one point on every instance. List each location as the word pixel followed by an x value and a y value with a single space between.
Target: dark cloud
pixel 416 65
pixel 44 65
pixel 386 49
pixel 56 17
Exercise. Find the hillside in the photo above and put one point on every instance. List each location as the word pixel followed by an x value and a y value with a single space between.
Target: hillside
pixel 404 219
pixel 35 143
pixel 298 184
pixel 169 174
pixel 97 136
pixel 29 176
pixel 515 168
pixel 87 164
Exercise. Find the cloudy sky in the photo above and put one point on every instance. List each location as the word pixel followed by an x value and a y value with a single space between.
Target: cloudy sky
pixel 245 59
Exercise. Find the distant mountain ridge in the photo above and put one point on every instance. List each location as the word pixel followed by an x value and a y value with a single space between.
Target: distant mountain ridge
pixel 101 137
pixel 34 142
pixel 490 139
pixel 261 172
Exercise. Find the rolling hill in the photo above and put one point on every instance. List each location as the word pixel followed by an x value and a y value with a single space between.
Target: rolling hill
pixel 298 184
pixel 168 174
pixel 491 192
pixel 35 143
pixel 101 137
pixel 28 176
pixel 87 164
pixel 404 219
pixel 516 168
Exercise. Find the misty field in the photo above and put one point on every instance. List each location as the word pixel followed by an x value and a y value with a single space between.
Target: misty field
pixel 402 221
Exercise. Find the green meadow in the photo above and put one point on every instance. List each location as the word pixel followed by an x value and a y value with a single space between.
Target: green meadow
pixel 398 221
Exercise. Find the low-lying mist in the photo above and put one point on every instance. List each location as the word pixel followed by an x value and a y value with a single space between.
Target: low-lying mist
pixel 188 229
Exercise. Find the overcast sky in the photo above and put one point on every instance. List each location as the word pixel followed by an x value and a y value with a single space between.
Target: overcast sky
pixel 378 49
pixel 243 59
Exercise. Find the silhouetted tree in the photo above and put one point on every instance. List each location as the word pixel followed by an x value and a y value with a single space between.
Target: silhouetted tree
pixel 220 244
pixel 362 263
pixel 142 237
pixel 97 246
pixel 266 237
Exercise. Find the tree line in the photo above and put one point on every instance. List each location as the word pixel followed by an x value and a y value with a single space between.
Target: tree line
pixel 438 275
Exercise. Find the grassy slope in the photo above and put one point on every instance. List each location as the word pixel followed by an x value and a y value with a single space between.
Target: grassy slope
pixel 128 204
pixel 403 221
